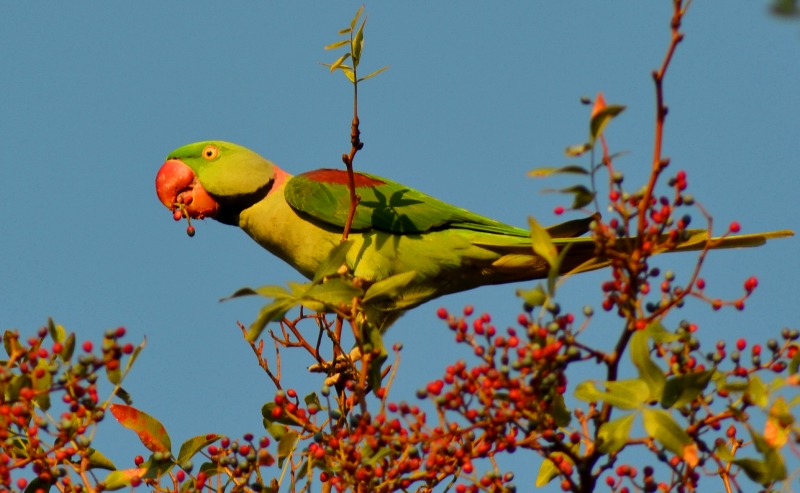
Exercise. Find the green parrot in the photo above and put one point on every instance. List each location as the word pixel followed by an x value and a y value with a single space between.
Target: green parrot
pixel 396 229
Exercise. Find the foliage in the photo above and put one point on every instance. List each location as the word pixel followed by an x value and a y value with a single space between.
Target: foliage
pixel 690 410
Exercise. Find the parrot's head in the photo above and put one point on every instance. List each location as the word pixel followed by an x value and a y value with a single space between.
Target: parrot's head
pixel 213 179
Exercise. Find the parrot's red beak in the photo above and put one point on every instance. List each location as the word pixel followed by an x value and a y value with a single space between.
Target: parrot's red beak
pixel 179 189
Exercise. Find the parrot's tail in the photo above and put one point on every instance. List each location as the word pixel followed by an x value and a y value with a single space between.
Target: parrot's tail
pixel 520 263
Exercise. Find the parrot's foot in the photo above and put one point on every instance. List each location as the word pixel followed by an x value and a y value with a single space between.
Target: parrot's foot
pixel 340 369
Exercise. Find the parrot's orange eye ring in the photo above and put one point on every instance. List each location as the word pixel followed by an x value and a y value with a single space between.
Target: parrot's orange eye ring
pixel 210 152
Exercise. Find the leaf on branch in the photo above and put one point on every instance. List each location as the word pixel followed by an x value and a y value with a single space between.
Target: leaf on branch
pixel 373 74
pixel 683 389
pixel 355 19
pixel 334 291
pixel 286 446
pixel 99 461
pixel 57 332
pixel 339 61
pixel 117 480
pixel 151 432
pixel 649 371
pixel 194 445
pixel 577 150
pixel 601 115
pixel 542 243
pixel 583 196
pixel 389 287
pixel 337 44
pixel 614 434
pixel 756 391
pixel 569 169
pixel 336 258
pixel 624 394
pixel 533 297
pixel 779 423
pixel 275 311
pixel 548 470
pixel 667 432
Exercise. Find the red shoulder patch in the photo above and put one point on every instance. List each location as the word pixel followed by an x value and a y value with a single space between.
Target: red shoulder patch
pixel 339 177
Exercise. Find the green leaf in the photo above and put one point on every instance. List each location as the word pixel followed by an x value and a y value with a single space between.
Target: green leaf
pixel 577 150
pixel 286 446
pixel 569 169
pixel 377 456
pixel 346 30
pixel 42 384
pixel 37 484
pixel 770 470
pixel 582 195
pixel 357 46
pixel 151 432
pixel 339 61
pixel 57 332
pixel 624 394
pixel 658 333
pixel 313 400
pixel 533 297
pixel 552 274
pixel 371 342
pixel 542 243
pixel 649 371
pixel 389 287
pixel 614 434
pixel 601 119
pixel 683 389
pixel 667 432
pixel 194 445
pixel 68 348
pixel 757 391
pixel 334 291
pixel 355 19
pixel 559 411
pixel 336 258
pixel 272 312
pixel 337 44
pixel 134 355
pixel 348 72
pixel 119 479
pixel 373 74
pixel 548 470
pixel 276 292
pixel 18 382
pixel 99 461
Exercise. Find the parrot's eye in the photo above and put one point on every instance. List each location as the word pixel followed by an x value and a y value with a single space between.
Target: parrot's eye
pixel 210 152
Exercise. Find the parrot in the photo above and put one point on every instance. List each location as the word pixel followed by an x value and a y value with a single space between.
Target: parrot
pixel 395 230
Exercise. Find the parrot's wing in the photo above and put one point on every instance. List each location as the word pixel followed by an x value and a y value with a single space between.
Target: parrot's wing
pixel 385 205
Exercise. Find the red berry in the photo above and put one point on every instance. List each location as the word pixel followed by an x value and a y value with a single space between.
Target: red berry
pixel 735 227
pixel 558 210
pixel 127 348
pixel 180 476
pixel 291 393
pixel 176 215
pixel 468 310
pixel 57 347
pixel 441 313
pixel 120 332
pixel 138 460
pixel 701 283
pixel 87 346
pixel 190 231
pixel 741 344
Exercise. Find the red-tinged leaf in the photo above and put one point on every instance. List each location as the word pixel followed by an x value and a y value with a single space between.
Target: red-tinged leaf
pixel 152 433
pixel 778 425
pixel 666 431
pixel 119 479
pixel 601 119
pixel 599 104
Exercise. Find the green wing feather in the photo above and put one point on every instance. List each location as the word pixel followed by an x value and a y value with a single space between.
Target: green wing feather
pixel 385 205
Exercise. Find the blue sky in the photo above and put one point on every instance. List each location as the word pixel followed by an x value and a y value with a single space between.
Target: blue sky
pixel 94 95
